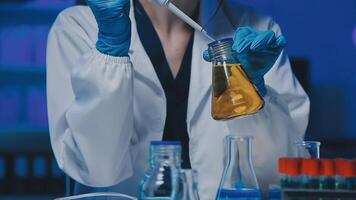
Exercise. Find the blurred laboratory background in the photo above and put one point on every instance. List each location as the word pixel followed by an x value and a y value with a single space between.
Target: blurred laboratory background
pixel 321 44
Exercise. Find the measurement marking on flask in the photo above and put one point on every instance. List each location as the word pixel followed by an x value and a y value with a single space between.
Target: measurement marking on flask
pixel 233 94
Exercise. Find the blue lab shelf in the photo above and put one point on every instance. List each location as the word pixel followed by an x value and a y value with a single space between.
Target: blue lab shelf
pixel 13 14
pixel 23 129
pixel 24 138
pixel 23 74
pixel 22 69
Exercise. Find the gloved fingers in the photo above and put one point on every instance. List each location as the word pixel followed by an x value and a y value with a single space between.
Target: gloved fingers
pixel 206 56
pixel 243 39
pixel 106 7
pixel 280 42
pixel 108 3
pixel 263 40
pixel 242 32
pixel 259 60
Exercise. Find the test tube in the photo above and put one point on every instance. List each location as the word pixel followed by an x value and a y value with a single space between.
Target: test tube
pixel 310 173
pixel 282 170
pixel 354 175
pixel 293 173
pixel 327 172
pixel 3 170
pixel 339 169
pixel 308 149
pixel 349 174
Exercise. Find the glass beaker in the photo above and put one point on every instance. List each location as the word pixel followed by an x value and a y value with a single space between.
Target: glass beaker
pixel 190 184
pixel 239 179
pixel 308 149
pixel 233 94
pixel 99 196
pixel 162 180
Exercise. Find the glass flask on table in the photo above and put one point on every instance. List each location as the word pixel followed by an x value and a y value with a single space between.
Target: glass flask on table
pixel 308 149
pixel 190 184
pixel 233 94
pixel 162 180
pixel 99 196
pixel 238 179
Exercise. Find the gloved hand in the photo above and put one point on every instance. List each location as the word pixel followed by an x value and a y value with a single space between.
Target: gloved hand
pixel 114 24
pixel 257 51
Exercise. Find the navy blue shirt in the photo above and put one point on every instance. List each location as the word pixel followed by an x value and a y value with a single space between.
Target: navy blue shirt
pixel 175 89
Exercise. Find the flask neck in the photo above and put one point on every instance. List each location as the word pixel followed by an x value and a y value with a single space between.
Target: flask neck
pixel 238 171
pixel 167 154
pixel 221 51
pixel 240 147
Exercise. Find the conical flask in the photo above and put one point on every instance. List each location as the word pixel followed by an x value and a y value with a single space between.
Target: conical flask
pixel 238 179
pixel 161 181
pixel 233 93
pixel 190 184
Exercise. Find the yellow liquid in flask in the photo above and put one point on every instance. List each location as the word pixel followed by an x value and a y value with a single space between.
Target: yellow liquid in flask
pixel 233 93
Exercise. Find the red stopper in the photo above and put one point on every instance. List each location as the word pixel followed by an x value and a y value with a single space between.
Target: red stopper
pixel 282 165
pixel 348 170
pixel 293 166
pixel 339 166
pixel 310 167
pixel 327 167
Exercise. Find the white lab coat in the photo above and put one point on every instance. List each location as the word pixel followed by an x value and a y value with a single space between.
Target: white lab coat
pixel 104 111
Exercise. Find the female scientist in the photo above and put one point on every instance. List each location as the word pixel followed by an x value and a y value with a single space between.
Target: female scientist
pixel 121 74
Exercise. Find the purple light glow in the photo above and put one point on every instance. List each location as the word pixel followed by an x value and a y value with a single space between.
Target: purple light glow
pixel 36 107
pixel 10 105
pixel 354 36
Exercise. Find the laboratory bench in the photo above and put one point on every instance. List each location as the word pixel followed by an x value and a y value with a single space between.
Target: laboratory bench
pixel 49 197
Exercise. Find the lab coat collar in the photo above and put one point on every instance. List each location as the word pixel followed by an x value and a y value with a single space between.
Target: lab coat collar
pixel 201 74
pixel 201 77
pixel 142 64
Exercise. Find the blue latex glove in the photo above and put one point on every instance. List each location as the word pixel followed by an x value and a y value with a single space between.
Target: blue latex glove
pixel 114 24
pixel 257 51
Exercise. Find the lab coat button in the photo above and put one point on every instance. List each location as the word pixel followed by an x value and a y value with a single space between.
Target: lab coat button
pixel 134 140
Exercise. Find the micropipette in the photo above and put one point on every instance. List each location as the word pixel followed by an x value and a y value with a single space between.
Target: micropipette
pixel 171 7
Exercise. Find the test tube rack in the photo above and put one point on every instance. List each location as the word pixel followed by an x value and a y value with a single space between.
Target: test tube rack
pixel 306 194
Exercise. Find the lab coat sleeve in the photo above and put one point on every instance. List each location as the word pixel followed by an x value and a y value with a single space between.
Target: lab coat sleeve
pixel 282 79
pixel 277 127
pixel 90 106
pixel 283 121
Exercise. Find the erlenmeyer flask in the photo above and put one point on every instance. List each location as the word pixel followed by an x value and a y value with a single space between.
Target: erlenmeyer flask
pixel 239 179
pixel 161 181
pixel 190 184
pixel 308 149
pixel 233 94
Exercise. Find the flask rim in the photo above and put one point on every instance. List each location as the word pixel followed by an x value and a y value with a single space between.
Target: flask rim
pixel 240 138
pixel 165 143
pixel 307 143
pixel 221 49
pixel 222 41
pixel 241 192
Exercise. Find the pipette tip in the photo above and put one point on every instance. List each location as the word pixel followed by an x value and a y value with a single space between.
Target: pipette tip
pixel 207 35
